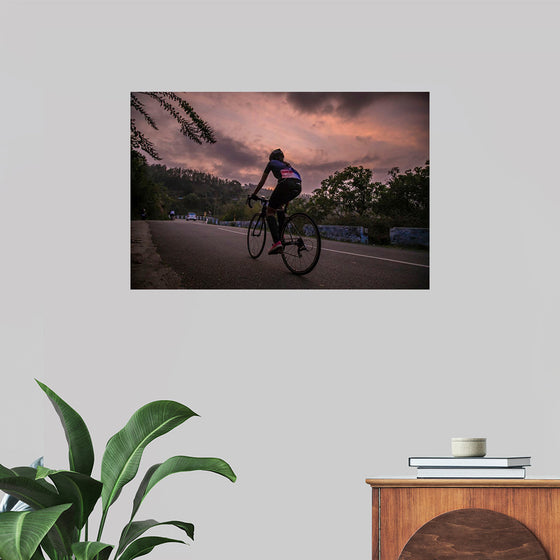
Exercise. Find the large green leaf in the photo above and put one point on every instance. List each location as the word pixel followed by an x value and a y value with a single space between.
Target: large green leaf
pixel 38 554
pixel 9 503
pixel 49 549
pixel 79 489
pixel 22 532
pixel 80 448
pixel 88 550
pixel 175 465
pixel 5 471
pixel 132 531
pixel 143 546
pixel 124 450
pixel 29 491
pixel 35 494
pixel 31 473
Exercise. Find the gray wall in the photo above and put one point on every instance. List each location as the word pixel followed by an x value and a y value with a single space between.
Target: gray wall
pixel 410 236
pixel 476 355
pixel 352 234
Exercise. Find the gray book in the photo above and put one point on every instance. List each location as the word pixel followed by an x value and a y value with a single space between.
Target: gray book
pixel 458 462
pixel 478 472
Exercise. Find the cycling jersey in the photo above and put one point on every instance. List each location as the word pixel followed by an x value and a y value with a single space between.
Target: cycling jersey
pixel 282 170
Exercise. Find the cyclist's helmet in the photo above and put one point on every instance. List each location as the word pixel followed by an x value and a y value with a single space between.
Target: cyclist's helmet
pixel 277 154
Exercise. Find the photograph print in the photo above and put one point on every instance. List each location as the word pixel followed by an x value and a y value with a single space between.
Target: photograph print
pixel 296 190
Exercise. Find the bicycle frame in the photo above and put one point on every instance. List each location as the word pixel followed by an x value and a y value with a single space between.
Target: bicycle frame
pixel 264 203
pixel 288 236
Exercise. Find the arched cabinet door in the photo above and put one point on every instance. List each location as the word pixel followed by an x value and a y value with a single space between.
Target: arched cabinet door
pixel 473 534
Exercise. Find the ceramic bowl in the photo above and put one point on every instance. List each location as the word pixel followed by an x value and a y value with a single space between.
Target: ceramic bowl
pixel 468 447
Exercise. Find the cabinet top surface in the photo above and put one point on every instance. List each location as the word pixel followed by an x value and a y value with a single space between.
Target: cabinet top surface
pixel 463 482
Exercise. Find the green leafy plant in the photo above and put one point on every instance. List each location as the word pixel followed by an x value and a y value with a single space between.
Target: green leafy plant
pixel 58 503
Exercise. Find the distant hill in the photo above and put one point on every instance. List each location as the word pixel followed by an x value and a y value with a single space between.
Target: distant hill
pixel 190 190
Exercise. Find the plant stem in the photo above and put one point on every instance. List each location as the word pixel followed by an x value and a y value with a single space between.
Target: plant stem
pixel 101 525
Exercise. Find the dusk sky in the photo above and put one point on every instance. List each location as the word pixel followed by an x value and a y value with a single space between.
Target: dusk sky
pixel 319 133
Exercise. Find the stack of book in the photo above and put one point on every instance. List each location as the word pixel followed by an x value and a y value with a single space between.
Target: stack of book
pixel 470 467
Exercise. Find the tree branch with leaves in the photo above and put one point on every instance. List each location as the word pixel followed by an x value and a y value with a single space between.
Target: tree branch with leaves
pixel 191 125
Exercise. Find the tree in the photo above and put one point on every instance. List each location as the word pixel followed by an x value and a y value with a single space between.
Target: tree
pixel 192 203
pixel 300 204
pixel 145 194
pixel 405 197
pixel 347 193
pixel 190 124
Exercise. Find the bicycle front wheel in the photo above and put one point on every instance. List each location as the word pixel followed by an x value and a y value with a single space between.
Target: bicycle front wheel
pixel 301 242
pixel 256 235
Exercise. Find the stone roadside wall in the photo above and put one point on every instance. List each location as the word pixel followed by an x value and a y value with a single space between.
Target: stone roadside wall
pixel 410 236
pixel 353 234
pixel 419 237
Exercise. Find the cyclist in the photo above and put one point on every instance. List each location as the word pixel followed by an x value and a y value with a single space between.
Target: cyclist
pixel 287 188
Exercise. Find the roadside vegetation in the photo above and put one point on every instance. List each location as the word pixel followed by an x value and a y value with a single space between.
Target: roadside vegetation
pixel 347 197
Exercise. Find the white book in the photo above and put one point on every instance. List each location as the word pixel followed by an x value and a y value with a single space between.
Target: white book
pixel 469 461
pixel 479 472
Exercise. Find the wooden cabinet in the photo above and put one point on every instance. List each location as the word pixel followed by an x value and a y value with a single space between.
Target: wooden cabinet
pixel 528 512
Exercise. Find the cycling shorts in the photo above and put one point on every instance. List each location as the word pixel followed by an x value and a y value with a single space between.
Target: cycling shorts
pixel 286 190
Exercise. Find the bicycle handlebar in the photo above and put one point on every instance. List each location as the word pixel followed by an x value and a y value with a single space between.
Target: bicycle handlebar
pixel 255 197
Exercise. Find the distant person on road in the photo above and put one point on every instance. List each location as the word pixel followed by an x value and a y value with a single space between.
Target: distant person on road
pixel 287 188
pixel 172 215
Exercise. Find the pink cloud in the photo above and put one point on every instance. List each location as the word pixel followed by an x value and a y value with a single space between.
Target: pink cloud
pixel 319 133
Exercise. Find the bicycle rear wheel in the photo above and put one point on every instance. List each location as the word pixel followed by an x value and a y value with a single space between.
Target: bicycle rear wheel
pixel 301 242
pixel 256 235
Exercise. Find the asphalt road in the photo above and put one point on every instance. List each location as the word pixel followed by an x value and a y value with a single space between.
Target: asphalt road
pixel 207 256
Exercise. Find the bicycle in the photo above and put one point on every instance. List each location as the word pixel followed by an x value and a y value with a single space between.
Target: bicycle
pixel 301 240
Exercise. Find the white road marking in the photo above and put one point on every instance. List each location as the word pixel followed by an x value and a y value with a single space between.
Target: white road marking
pixel 378 258
pixel 231 231
pixel 348 253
